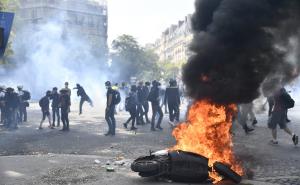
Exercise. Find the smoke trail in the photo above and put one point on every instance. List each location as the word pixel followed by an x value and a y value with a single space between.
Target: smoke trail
pixel 241 45
pixel 47 56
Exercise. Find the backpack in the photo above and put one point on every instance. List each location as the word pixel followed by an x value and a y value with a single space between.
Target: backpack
pixel 26 96
pixel 42 102
pixel 288 101
pixel 116 98
pixel 127 103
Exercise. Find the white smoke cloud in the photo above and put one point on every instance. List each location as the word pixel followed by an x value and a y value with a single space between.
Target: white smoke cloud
pixel 47 56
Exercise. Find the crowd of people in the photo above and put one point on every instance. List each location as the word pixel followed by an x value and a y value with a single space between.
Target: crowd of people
pixel 278 103
pixel 13 105
pixel 136 100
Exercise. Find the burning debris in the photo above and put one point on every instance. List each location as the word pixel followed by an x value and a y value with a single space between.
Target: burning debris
pixel 238 46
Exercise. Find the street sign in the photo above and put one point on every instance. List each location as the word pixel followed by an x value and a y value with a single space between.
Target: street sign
pixel 6 21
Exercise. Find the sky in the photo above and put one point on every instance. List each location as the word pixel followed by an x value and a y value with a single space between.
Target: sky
pixel 145 19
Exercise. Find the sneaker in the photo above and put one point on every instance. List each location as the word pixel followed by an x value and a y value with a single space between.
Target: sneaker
pixel 125 125
pixel 273 142
pixel 133 128
pixel 172 124
pixel 107 134
pixel 40 128
pixel 248 130
pixel 295 139
pixel 159 128
pixel 153 129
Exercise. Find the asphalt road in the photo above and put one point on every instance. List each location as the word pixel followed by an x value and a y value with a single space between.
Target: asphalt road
pixel 30 156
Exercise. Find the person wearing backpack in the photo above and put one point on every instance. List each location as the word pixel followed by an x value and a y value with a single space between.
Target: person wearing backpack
pixel 155 103
pixel 113 98
pixel 131 103
pixel 44 104
pixel 283 101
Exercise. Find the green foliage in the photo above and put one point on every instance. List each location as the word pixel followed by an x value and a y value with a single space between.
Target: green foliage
pixel 129 59
pixel 171 70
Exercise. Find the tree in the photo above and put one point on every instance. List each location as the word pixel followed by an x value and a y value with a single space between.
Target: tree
pixel 8 5
pixel 129 59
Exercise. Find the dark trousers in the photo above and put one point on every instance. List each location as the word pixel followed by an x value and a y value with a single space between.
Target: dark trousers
pixel 65 118
pixel 132 118
pixel 22 112
pixel 110 119
pixel 156 109
pixel 11 118
pixel 146 110
pixel 140 114
pixel 173 111
pixel 55 114
pixel 82 100
pixel 2 114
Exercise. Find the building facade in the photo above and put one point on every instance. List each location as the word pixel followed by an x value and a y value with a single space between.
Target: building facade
pixel 173 45
pixel 86 18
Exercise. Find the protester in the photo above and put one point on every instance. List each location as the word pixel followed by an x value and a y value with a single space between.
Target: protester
pixel 141 99
pixel 282 101
pixel 65 104
pixel 69 92
pixel 172 97
pixel 12 104
pixel 131 106
pixel 124 91
pixel 244 110
pixel 2 103
pixel 156 108
pixel 146 91
pixel 113 98
pixel 24 97
pixel 44 104
pixel 83 97
pixel 55 107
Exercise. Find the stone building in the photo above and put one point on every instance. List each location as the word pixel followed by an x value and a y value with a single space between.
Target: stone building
pixel 86 18
pixel 173 45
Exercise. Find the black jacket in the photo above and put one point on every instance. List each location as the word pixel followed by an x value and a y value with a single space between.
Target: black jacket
pixel 44 103
pixel 172 96
pixel 65 102
pixel 55 100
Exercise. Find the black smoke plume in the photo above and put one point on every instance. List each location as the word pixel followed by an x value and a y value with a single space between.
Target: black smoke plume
pixel 240 46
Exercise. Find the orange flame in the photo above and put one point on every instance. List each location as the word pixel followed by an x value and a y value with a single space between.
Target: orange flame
pixel 207 133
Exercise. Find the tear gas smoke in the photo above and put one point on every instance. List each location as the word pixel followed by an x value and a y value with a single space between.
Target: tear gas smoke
pixel 240 46
pixel 47 56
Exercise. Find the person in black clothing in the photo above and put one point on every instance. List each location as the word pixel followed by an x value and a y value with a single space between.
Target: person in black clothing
pixel 146 91
pixel 110 110
pixel 155 102
pixel 12 103
pixel 131 107
pixel 55 107
pixel 44 104
pixel 141 99
pixel 65 103
pixel 2 103
pixel 24 96
pixel 83 97
pixel 172 97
